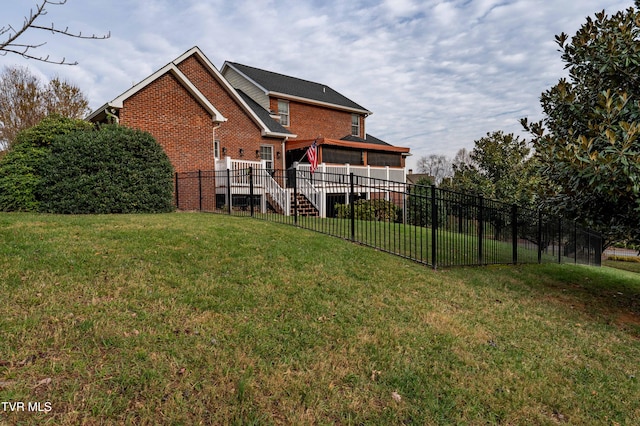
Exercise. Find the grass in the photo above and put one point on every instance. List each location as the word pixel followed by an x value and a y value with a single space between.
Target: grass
pixel 414 242
pixel 624 264
pixel 210 319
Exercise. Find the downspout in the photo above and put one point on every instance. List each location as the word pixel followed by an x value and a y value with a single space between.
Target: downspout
pixel 111 116
pixel 216 126
pixel 284 153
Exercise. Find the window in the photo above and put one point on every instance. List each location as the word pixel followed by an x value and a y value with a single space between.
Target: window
pixel 283 110
pixel 341 155
pixel 384 159
pixel 266 154
pixel 355 125
pixel 216 148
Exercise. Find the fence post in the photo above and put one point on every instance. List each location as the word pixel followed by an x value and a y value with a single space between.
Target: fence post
pixel 480 229
pixel 352 197
pixel 559 240
pixel 514 232
pixel 199 190
pixel 295 199
pixel 434 228
pixel 177 193
pixel 575 245
pixel 228 191
pixel 251 190
pixel 539 236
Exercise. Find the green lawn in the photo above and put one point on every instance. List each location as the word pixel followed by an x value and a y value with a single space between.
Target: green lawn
pixel 209 319
pixel 414 242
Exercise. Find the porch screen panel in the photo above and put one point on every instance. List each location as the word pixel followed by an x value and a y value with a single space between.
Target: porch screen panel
pixel 341 156
pixel 383 159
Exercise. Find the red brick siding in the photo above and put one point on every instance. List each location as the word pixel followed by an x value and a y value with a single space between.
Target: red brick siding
pixel 196 191
pixel 239 131
pixel 310 121
pixel 176 119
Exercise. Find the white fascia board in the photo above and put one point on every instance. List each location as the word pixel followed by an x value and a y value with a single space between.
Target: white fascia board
pixel 320 103
pixel 171 67
pixel 279 135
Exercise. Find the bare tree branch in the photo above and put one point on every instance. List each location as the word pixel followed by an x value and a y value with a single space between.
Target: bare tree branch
pixel 10 44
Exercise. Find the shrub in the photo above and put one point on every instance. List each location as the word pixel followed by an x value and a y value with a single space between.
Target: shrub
pixel 113 170
pixel 20 167
pixel 19 178
pixel 381 210
pixel 631 259
pixel 52 126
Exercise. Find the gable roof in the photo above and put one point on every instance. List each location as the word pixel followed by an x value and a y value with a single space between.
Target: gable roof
pixel 268 126
pixel 264 115
pixel 118 102
pixel 284 86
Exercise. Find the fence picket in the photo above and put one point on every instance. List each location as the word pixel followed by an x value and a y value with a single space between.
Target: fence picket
pixel 430 225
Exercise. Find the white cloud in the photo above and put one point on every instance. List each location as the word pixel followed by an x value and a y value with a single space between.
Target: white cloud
pixel 438 74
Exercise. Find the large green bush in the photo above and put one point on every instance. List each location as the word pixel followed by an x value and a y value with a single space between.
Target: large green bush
pixel 112 170
pixel 377 209
pixel 52 126
pixel 19 178
pixel 20 167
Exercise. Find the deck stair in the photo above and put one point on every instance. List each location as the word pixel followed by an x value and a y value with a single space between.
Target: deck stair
pixel 305 208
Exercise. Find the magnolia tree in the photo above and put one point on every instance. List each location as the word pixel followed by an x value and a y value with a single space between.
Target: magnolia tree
pixel 587 144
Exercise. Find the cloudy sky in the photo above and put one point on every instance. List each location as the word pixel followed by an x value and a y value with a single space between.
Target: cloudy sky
pixel 437 74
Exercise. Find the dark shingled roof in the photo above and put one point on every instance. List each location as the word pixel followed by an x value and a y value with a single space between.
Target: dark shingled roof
pixel 369 139
pixel 274 82
pixel 263 114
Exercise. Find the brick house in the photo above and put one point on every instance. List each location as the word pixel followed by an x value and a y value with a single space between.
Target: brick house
pixel 208 120
pixel 314 111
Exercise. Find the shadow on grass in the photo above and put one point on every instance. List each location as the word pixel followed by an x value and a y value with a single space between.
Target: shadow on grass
pixel 605 294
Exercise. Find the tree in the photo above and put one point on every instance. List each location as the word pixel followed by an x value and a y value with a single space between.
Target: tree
pixel 25 100
pixel 499 167
pixel 587 144
pixel 12 43
pixel 21 103
pixel 461 158
pixel 436 166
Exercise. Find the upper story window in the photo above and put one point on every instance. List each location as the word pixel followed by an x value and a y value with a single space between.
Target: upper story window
pixel 283 110
pixel 216 148
pixel 355 125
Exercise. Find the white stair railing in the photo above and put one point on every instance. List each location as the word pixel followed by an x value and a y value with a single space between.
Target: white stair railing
pixel 306 188
pixel 270 186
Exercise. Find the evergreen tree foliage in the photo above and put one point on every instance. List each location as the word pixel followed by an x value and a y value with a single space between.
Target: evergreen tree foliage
pixel 588 143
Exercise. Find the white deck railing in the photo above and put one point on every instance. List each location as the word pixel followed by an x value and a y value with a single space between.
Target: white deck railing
pixel 241 166
pixel 386 173
pixel 391 179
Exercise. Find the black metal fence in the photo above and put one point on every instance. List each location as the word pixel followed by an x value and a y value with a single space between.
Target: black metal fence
pixel 433 226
